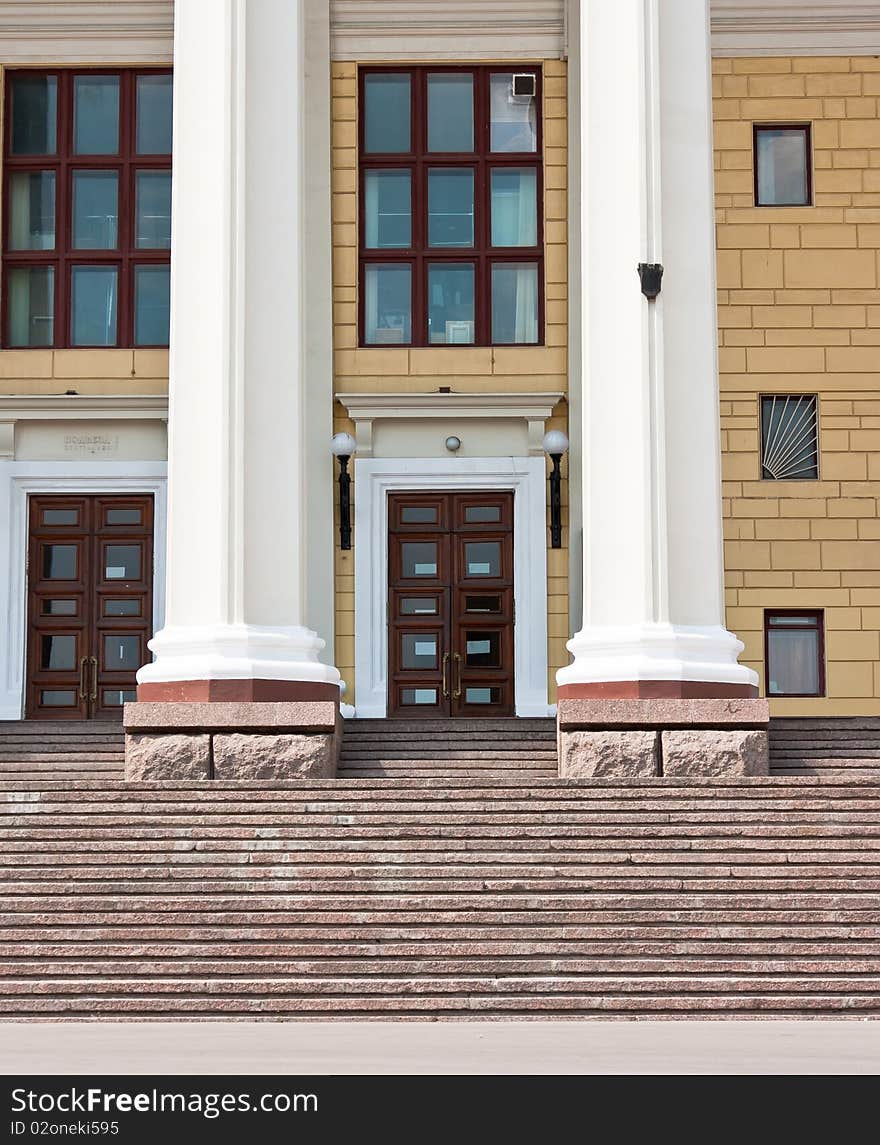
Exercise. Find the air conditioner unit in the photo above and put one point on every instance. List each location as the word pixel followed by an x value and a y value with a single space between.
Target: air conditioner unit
pixel 523 87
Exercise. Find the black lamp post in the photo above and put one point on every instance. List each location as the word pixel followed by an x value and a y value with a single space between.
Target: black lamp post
pixel 555 444
pixel 343 446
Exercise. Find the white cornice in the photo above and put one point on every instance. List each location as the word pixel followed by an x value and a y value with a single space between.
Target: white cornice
pixel 92 407
pixel 101 32
pixel 789 27
pixel 365 409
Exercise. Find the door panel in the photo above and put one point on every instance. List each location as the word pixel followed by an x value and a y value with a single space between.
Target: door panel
pixel 450 604
pixel 90 572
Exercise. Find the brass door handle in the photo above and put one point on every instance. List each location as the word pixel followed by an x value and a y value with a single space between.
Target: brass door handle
pixel 444 683
pixel 83 693
pixel 93 694
pixel 457 692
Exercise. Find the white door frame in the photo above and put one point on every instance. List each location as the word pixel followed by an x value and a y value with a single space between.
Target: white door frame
pixel 375 478
pixel 20 479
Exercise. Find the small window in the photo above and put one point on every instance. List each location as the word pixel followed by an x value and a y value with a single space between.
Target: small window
pixel 795 653
pixel 782 165
pixel 789 437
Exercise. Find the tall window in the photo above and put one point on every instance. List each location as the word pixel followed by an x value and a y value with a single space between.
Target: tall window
pixel 451 206
pixel 87 198
pixel 794 645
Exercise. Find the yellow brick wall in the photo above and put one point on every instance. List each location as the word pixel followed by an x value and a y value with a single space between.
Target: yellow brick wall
pixel 28 372
pixel 467 370
pixel 799 312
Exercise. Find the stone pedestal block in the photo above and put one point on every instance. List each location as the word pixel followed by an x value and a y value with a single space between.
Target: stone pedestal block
pixel 274 757
pixel 596 754
pixel 168 756
pixel 715 753
pixel 231 741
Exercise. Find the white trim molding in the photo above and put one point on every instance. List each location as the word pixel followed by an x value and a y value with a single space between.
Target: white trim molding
pixel 375 478
pixel 79 407
pixel 20 479
pixel 364 409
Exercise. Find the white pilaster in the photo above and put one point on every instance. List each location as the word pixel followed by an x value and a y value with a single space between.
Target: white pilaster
pixel 653 570
pixel 236 596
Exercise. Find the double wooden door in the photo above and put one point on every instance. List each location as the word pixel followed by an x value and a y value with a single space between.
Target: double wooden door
pixel 90 576
pixel 450 604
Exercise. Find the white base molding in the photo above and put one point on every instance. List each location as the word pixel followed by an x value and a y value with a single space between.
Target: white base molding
pixel 656 652
pixel 236 652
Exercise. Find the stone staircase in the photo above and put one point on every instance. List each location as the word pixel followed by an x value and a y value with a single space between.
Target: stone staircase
pixel 35 751
pixel 825 746
pixel 440 898
pixel 448 749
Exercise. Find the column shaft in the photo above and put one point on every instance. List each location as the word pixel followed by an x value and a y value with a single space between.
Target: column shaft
pixel 237 481
pixel 653 571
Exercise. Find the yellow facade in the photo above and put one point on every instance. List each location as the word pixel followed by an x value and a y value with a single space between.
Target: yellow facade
pixel 799 313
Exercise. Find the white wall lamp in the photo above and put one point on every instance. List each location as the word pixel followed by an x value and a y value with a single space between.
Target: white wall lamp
pixel 555 444
pixel 343 446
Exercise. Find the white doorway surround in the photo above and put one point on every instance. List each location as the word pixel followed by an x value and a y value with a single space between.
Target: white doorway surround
pixel 375 478
pixel 20 479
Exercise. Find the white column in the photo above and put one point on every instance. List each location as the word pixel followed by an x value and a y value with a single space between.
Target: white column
pixel 653 568
pixel 238 480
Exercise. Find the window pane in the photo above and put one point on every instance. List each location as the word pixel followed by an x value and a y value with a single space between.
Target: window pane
pixel 514 206
pixel 153 210
pixel 60 562
pixel 388 305
pixel 153 115
pixel 482 649
pixel 124 517
pixel 95 210
pixel 93 306
pixel 386 107
pixel 418 606
pixel 418 558
pixel 116 699
pixel 481 514
pixel 482 695
pixel 450 112
pixel 789 437
pixel 387 209
pixel 514 302
pixel 782 167
pixel 31 306
pixel 58 653
pixel 122 562
pixel 411 696
pixel 55 699
pixel 451 303
pixel 152 305
pixel 513 117
pixel 32 210
pixel 117 606
pixel 418 650
pixel 34 115
pixel 451 207
pixel 96 115
pixel 59 608
pixel 61 516
pixel 122 653
pixel 418 515
pixel 482 558
pixel 793 662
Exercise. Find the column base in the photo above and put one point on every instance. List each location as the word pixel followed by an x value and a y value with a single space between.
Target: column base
pixel 231 741
pixel 640 738
pixel 237 691
pixel 656 661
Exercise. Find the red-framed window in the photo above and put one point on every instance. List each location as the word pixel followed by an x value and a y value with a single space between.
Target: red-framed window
pixel 450 206
pixel 86 207
pixel 794 652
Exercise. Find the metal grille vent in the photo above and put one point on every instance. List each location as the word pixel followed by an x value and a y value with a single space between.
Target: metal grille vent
pixel 790 437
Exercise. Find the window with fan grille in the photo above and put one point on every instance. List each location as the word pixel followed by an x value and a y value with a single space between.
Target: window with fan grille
pixel 790 437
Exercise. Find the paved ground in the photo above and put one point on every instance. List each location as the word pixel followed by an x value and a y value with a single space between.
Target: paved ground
pixel 817 1047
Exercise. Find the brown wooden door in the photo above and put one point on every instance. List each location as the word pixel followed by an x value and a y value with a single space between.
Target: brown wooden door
pixel 450 605
pixel 90 576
